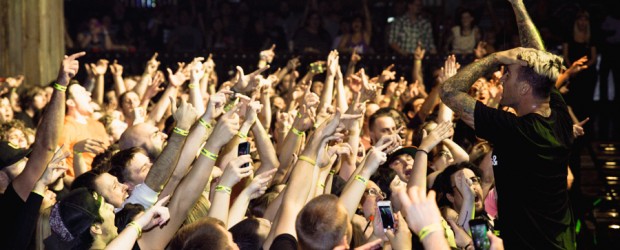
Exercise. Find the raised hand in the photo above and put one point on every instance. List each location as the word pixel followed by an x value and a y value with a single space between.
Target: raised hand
pixel 116 68
pixel 449 68
pixel 178 78
pixel 442 131
pixel 260 183
pixel 268 54
pixel 578 65
pixel 400 238
pixel 157 215
pixel 332 62
pixel 55 168
pixel 387 74
pixel 419 52
pixel 215 107
pixel 227 126
pixel 100 67
pixel 293 63
pixel 252 110
pixel 197 69
pixel 185 114
pixel 152 65
pixel 69 68
pixel 235 171
pixel 480 51
pixel 355 57
pixel 419 208
pixel 246 83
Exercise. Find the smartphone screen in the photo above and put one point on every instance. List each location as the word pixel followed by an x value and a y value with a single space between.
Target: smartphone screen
pixel 244 149
pixel 479 229
pixel 385 209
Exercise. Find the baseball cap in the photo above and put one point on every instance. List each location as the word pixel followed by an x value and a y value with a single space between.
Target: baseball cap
pixel 11 154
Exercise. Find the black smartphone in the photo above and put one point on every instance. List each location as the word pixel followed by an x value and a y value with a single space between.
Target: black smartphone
pixel 479 230
pixel 387 217
pixel 244 149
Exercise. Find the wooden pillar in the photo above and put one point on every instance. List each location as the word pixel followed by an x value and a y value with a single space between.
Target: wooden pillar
pixel 31 39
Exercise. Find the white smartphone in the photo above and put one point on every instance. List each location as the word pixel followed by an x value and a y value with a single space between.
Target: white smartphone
pixel 387 216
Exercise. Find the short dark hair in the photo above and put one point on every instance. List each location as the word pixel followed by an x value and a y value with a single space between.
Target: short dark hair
pixel 443 183
pixel 321 224
pixel 27 97
pixel 126 215
pixel 541 85
pixel 382 112
pixel 87 180
pixel 245 234
pixel 120 161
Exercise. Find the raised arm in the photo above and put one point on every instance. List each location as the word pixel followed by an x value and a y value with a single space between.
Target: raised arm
pixel 99 69
pixel 199 133
pixel 149 72
pixel 47 136
pixel 232 175
pixel 420 165
pixel 327 95
pixel 528 34
pixel 117 76
pixel 454 90
pixel 257 187
pixel 193 184
pixel 162 169
pixel 298 188
pixel 197 72
pixel 266 151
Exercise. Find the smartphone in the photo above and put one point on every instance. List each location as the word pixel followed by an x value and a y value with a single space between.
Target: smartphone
pixel 385 210
pixel 479 230
pixel 244 149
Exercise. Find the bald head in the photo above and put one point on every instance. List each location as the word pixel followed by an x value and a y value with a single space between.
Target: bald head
pixel 146 136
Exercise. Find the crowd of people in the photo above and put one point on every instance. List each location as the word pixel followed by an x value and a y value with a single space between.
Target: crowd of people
pixel 280 158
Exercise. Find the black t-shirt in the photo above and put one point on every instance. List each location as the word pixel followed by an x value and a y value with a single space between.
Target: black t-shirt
pixel 284 242
pixel 530 159
pixel 18 218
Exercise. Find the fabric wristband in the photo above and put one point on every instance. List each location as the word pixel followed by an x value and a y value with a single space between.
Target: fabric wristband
pixel 307 159
pixel 224 189
pixel 297 132
pixel 60 87
pixel 205 123
pixel 422 150
pixel 181 131
pixel 208 154
pixel 428 229
pixel 192 86
pixel 135 226
pixel 361 179
pixel 332 172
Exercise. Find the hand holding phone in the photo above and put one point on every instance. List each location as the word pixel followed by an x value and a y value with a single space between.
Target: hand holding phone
pixel 387 216
pixel 479 230
pixel 244 149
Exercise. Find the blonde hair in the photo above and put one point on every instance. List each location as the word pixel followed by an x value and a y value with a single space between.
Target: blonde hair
pixel 586 32
pixel 43 228
pixel 543 63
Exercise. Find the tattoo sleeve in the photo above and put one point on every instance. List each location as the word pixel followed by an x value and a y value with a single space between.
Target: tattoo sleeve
pixel 528 34
pixel 454 89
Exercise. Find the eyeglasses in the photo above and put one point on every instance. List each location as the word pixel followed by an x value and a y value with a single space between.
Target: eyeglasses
pixel 474 180
pixel 380 195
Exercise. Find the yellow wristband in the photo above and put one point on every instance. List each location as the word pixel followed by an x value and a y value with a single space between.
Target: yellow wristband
pixel 135 226
pixel 428 229
pixel 361 179
pixel 205 123
pixel 321 185
pixel 208 154
pixel 242 136
pixel 192 86
pixel 42 195
pixel 181 131
pixel 60 87
pixel 307 159
pixel 224 189
pixel 332 172
pixel 297 132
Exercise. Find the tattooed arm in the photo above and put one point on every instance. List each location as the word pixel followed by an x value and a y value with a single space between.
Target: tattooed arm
pixel 528 34
pixel 454 89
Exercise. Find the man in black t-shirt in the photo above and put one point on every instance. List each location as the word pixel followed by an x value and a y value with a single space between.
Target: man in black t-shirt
pixel 531 146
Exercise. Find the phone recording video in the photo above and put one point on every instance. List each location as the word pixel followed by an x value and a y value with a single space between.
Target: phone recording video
pixel 385 210
pixel 244 149
pixel 479 230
